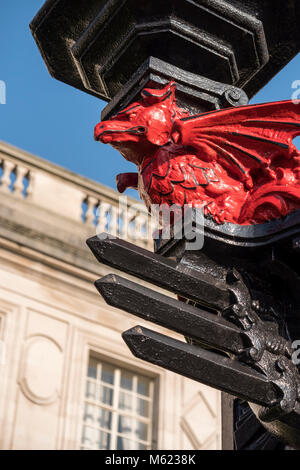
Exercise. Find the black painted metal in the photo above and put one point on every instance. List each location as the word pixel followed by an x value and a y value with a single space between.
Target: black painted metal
pixel 241 289
pixel 160 271
pixel 249 434
pixel 190 321
pixel 199 364
pixel 253 237
pixel 194 93
pixel 240 340
pixel 98 46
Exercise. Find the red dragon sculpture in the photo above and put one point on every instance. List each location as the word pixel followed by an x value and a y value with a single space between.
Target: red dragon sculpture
pixel 240 164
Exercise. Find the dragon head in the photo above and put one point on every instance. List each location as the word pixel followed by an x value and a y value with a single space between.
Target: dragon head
pixel 144 125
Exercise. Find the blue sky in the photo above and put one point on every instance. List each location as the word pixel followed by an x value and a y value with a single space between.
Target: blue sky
pixel 56 121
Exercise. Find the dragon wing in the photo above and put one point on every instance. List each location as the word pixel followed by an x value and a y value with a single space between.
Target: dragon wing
pixel 244 138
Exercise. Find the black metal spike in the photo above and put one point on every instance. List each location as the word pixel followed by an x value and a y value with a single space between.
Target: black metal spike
pixel 162 272
pixel 201 365
pixel 190 321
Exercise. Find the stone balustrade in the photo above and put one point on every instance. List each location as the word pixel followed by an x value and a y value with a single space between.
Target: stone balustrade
pixel 15 178
pixel 69 195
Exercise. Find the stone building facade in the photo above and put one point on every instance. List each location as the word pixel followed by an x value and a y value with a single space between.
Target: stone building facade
pixel 67 379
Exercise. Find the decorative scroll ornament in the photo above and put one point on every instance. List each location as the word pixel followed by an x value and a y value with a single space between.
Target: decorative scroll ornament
pixel 239 163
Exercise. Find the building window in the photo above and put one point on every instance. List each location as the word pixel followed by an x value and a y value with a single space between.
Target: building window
pixel 118 408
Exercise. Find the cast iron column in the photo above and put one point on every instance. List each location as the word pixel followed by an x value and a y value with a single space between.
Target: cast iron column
pixel 220 53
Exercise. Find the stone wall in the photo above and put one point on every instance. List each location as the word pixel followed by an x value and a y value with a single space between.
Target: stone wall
pixel 52 318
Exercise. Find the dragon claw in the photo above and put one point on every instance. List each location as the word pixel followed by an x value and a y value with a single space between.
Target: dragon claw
pixel 212 209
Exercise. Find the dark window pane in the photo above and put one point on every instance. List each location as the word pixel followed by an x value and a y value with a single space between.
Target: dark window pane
pixel 125 444
pixel 126 380
pixel 88 436
pixel 90 391
pixel 90 414
pixel 143 386
pixel 107 374
pixel 142 407
pixel 141 446
pixel 141 430
pixel 103 440
pixel 125 401
pixel 92 369
pixel 104 418
pixel 125 425
pixel 106 395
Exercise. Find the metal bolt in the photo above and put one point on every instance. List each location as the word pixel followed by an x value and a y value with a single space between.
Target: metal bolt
pixel 233 94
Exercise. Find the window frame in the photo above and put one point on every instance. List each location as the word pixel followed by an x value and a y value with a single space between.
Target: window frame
pixel 152 398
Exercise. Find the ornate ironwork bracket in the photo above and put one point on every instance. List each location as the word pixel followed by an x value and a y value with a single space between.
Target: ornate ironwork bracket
pixel 241 305
pixel 238 342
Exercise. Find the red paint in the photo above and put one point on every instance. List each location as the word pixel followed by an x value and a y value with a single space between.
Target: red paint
pixel 239 163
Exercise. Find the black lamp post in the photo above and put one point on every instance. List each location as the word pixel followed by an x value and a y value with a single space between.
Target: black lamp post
pixel 220 52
